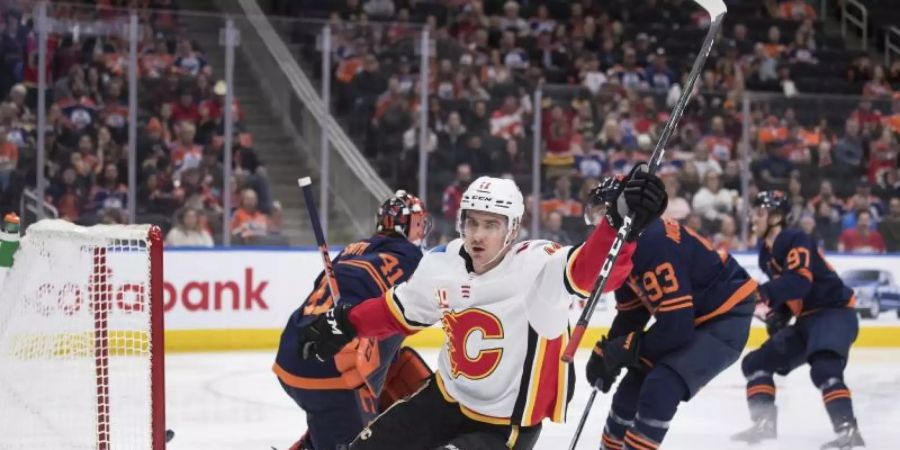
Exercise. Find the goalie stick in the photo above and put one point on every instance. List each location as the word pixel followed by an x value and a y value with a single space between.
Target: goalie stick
pixel 716 10
pixel 305 184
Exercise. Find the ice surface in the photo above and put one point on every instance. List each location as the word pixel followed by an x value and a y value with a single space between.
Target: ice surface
pixel 233 401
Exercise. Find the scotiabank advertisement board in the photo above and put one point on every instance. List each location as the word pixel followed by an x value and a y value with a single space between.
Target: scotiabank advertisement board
pixel 221 289
pixel 258 289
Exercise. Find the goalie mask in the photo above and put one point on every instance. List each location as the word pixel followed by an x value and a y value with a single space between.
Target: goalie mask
pixel 404 214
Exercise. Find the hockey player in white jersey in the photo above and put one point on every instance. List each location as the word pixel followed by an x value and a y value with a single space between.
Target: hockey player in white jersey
pixel 504 310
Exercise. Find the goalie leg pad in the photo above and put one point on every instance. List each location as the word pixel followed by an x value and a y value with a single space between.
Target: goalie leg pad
pixel 406 375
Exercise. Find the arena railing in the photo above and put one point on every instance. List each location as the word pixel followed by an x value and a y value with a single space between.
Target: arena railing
pixel 856 14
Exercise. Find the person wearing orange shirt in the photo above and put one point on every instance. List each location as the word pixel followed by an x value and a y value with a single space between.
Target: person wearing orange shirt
pixel 248 221
pixel 796 10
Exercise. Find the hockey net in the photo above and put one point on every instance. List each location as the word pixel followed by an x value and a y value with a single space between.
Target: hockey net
pixel 81 345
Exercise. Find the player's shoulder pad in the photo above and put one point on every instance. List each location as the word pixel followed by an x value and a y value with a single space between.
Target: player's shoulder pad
pixel 790 238
pixel 658 235
pixel 535 247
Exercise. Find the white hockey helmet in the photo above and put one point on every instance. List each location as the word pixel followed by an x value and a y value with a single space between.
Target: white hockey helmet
pixel 493 195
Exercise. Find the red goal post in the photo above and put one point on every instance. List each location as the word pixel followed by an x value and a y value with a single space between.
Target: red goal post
pixel 82 361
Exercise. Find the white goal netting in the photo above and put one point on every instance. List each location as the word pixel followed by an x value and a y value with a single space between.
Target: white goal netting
pixel 80 323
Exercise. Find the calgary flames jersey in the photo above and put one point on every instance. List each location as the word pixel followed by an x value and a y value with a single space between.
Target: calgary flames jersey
pixel 507 328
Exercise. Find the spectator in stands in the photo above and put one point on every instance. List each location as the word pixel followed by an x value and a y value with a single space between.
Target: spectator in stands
pixel 802 49
pixel 188 231
pixel 775 170
pixel 678 207
pixel 828 224
pixel 807 224
pixel 17 96
pixel 743 44
pixel 249 224
pixel 797 10
pixel 868 118
pixel 703 160
pixel 878 86
pixel 561 199
pixel 68 195
pixel 510 159
pixel 689 179
pixel 863 238
pixel 185 154
pixel 882 156
pixel 553 231
pixel 888 185
pixel 158 198
pixel 109 193
pixel 476 155
pixel 719 145
pixel 185 110
pixel 9 159
pixel 861 200
pixel 510 20
pixel 591 75
pixel 453 137
pixel 889 226
pixel 630 74
pixel 558 133
pixel 411 137
pixel 453 192
pixel 727 239
pixel 506 122
pixel 731 176
pixel 713 202
pixel 188 61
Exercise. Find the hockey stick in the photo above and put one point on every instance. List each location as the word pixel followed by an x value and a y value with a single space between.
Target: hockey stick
pixel 584 415
pixel 716 10
pixel 305 184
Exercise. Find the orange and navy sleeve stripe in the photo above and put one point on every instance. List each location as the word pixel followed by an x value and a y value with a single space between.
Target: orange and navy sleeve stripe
pixel 674 304
pixel 370 269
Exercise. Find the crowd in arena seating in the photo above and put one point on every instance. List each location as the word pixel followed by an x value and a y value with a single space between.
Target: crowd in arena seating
pixel 610 72
pixel 180 144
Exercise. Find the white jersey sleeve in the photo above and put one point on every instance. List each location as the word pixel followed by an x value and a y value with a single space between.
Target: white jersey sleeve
pixel 413 302
pixel 553 290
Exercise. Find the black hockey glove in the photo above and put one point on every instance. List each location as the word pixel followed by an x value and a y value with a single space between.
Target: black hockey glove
pixel 645 195
pixel 328 334
pixel 777 319
pixel 610 356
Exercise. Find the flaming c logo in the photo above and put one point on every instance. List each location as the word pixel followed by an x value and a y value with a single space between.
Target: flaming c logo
pixel 459 327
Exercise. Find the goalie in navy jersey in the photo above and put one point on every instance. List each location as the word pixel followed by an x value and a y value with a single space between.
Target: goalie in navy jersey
pixel 802 285
pixel 703 303
pixel 342 394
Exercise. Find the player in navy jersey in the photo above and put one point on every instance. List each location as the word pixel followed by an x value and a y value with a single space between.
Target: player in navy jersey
pixel 342 394
pixel 703 303
pixel 802 285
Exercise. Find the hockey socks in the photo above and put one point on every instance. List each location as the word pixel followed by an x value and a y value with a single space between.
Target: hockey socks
pixel 660 393
pixel 827 373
